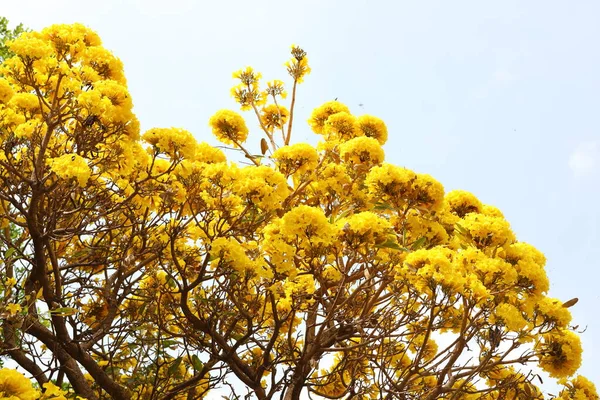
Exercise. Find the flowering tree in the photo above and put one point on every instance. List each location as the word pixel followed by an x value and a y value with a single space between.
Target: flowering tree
pixel 6 35
pixel 151 267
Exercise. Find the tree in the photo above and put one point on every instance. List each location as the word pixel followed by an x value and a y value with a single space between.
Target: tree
pixel 6 35
pixel 151 267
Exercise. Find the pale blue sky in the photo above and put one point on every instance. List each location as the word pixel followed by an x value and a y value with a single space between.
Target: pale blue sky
pixel 497 98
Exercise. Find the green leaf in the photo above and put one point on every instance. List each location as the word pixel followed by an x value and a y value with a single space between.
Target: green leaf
pixel 64 311
pixel 460 229
pixel 9 252
pixel 390 244
pixel 382 206
pixel 198 365
pixel 419 243
pixel 169 343
pixel 173 368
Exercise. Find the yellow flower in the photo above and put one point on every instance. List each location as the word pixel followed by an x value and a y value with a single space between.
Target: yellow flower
pixel 366 228
pixel 424 266
pixel 51 391
pixel 14 386
pixel 362 150
pixel 321 114
pixel 229 127
pixel 296 159
pixel 6 91
pixel 487 231
pixel 173 141
pixel 461 202
pixel 298 66
pixel 340 127
pixel 390 181
pixel 276 88
pixel 560 353
pixel 374 127
pixel 10 282
pixel 492 211
pixel 262 187
pixel 510 316
pixel 550 310
pixel 248 96
pixel 25 101
pixel 331 180
pixel 248 76
pixel 494 273
pixel 13 308
pixel 417 227
pixel 529 264
pixel 109 100
pixel 428 192
pixel 100 64
pixel 31 45
pixel 233 254
pixel 579 388
pixel 70 166
pixel 399 187
pixel 308 222
pixel 208 154
pixel 274 117
pixel 26 129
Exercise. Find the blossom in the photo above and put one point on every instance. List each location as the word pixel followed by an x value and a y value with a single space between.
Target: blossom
pixel 402 187
pixel 461 202
pixel 229 127
pixel 510 316
pixel 209 154
pixel 529 264
pixel 25 101
pixel 248 76
pixel 550 310
pixel 6 91
pixel 51 391
pixel 560 353
pixel 364 228
pixel 276 88
pixel 373 127
pixel 109 101
pixel 14 386
pixel 274 117
pixel 362 150
pixel 31 45
pixel 262 187
pixel 428 192
pixel 13 308
pixel 320 114
pixel 578 388
pixel 487 231
pixel 340 126
pixel 172 141
pixel 234 254
pixel 298 67
pixel 70 166
pixel 298 158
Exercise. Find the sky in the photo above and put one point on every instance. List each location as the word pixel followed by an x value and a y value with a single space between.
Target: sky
pixel 497 98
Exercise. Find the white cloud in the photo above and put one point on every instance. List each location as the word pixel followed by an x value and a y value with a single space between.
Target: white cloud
pixel 585 159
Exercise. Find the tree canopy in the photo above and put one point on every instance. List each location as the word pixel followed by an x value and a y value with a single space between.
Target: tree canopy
pixel 6 35
pixel 150 266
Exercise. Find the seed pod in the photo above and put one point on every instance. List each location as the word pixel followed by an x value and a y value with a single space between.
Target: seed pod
pixel 570 303
pixel 263 146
